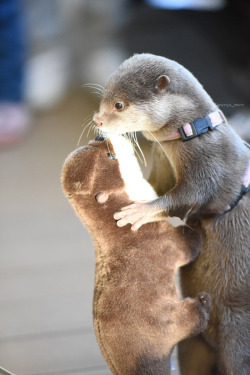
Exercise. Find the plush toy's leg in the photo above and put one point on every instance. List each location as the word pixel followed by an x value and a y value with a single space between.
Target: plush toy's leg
pixel 191 316
pixel 196 357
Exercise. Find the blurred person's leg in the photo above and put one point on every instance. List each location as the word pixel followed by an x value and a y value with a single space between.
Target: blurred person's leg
pixel 14 118
pixel 49 66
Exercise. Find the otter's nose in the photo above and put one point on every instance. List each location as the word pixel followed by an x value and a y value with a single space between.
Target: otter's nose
pixel 98 121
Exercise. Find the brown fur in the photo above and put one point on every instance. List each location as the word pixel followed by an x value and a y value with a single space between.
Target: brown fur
pixel 198 179
pixel 138 315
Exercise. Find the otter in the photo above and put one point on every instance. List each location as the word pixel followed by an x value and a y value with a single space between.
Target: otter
pixel 199 173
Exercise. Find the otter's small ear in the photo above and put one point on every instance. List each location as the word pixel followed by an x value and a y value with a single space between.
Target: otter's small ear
pixel 162 83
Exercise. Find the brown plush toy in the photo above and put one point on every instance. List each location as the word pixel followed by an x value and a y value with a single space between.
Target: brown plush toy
pixel 138 314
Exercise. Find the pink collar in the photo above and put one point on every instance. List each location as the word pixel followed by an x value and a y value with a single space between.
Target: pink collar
pixel 197 127
pixel 244 189
pixel 246 177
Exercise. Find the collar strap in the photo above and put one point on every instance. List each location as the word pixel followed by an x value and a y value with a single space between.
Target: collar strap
pixel 197 127
pixel 245 187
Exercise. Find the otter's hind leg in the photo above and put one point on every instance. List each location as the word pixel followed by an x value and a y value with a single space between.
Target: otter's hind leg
pixel 234 340
pixel 196 357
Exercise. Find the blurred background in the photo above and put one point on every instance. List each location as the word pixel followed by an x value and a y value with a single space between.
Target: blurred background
pixel 48 50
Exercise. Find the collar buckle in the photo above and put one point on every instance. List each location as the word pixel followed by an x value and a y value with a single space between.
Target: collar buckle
pixel 200 126
pixel 186 137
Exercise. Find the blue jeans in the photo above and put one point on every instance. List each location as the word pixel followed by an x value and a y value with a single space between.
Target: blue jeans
pixel 12 51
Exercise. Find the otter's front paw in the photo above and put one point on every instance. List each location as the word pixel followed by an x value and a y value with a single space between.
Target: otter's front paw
pixel 136 214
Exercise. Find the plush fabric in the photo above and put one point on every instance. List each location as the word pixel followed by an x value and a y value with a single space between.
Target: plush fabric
pixel 138 313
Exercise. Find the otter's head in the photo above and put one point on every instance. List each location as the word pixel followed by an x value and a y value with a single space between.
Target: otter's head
pixel 148 92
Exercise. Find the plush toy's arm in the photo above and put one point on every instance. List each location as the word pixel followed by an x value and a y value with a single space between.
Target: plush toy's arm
pixel 191 244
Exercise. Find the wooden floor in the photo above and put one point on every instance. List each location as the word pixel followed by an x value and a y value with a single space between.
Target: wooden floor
pixel 47 257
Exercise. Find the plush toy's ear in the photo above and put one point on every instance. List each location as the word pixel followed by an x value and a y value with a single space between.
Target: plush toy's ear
pixel 78 169
pixel 162 83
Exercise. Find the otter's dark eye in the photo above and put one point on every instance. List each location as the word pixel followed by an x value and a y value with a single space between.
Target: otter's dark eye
pixel 119 106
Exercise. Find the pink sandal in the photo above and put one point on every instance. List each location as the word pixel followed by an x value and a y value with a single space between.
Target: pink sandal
pixel 14 123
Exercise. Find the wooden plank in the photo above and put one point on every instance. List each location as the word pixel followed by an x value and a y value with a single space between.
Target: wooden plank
pixel 55 353
pixel 44 280
pixel 3 371
pixel 50 313
pixel 95 370
pixel 32 240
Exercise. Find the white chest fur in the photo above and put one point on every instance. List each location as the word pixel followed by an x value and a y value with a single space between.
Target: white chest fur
pixel 137 188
